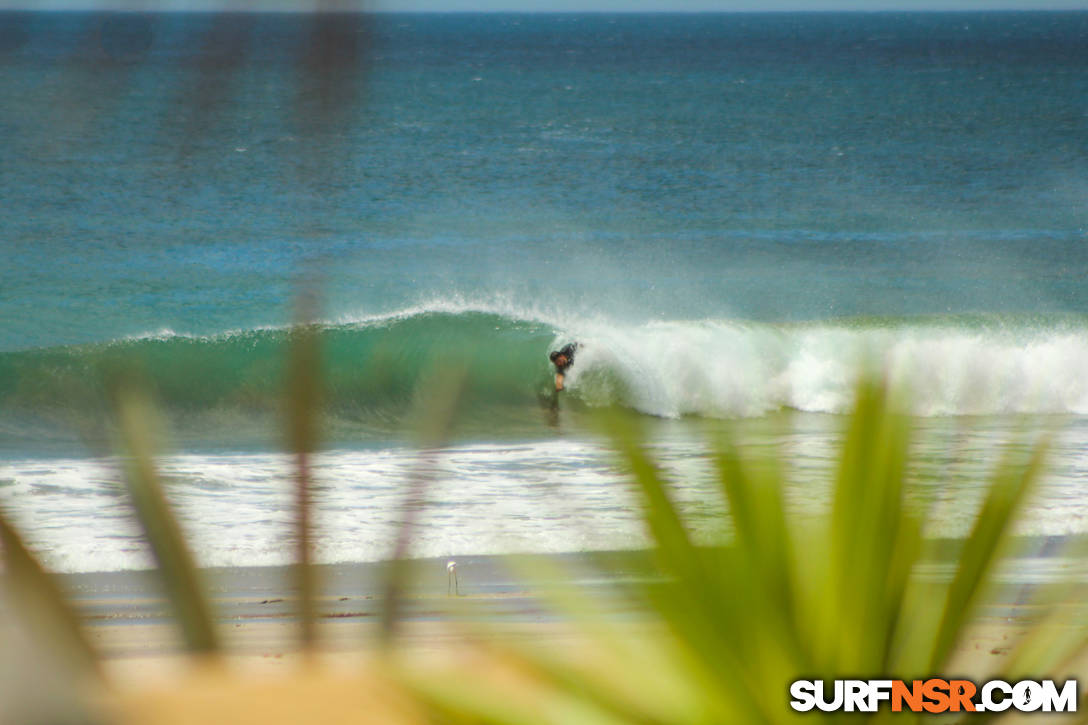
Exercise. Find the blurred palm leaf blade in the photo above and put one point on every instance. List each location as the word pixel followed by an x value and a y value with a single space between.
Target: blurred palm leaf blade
pixel 177 571
pixel 39 602
pixel 721 627
pixel 303 404
pixel 786 593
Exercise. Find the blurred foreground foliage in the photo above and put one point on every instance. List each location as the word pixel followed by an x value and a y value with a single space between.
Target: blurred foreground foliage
pixel 784 595
pixel 790 595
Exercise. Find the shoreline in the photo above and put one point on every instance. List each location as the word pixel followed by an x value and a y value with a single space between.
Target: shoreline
pixel 490 588
pixel 126 614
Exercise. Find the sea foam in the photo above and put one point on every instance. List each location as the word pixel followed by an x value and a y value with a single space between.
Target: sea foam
pixel 732 369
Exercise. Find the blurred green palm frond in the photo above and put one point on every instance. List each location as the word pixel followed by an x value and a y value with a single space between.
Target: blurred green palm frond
pixel 787 594
pixel 718 629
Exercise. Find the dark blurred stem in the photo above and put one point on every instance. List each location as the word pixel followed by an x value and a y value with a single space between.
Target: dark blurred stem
pixel 177 570
pixel 304 574
pixel 303 401
pixel 439 397
pixel 398 574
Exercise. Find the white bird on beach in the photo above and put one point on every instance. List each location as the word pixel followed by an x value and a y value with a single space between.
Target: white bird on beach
pixel 451 579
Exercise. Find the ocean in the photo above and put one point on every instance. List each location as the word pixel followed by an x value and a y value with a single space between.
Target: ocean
pixel 729 212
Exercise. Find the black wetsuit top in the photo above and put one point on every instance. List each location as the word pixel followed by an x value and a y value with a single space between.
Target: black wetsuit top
pixel 568 352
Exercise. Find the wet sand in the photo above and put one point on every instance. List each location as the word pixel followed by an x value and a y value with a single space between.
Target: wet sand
pixel 441 623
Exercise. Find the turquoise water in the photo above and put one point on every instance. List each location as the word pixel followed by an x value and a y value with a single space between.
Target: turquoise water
pixel 727 211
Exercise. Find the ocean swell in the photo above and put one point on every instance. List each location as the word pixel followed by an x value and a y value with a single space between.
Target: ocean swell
pixel 376 368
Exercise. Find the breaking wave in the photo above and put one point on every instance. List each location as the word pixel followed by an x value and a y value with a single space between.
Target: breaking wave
pixel 375 367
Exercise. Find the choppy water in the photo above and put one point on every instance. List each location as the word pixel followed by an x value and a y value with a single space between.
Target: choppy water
pixel 727 211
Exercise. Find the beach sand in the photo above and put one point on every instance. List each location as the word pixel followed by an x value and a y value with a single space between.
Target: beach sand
pixel 264 676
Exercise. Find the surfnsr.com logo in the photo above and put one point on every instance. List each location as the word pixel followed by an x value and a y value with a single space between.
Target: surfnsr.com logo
pixel 933 695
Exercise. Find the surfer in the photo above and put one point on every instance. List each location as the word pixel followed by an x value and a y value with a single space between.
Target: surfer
pixel 562 358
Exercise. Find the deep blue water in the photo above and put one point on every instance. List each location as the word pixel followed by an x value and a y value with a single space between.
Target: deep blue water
pixel 183 171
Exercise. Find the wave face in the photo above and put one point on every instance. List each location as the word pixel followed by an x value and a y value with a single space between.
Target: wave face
pixel 370 369
pixel 375 369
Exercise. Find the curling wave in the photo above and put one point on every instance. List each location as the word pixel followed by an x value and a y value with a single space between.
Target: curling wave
pixel 374 368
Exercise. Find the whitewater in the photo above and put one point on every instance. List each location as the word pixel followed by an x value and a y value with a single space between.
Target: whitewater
pixel 528 496
pixel 525 469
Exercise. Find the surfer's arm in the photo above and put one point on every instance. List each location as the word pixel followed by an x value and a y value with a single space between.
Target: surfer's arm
pixel 559 381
